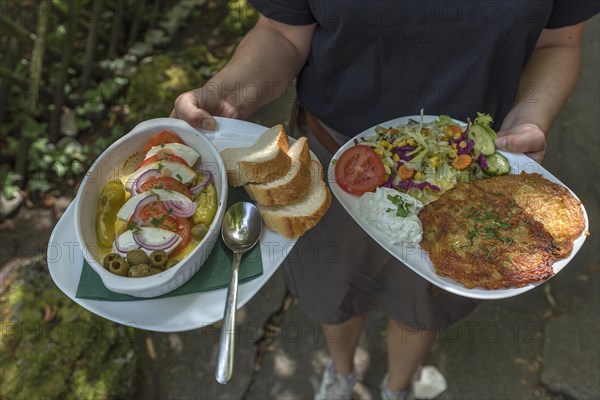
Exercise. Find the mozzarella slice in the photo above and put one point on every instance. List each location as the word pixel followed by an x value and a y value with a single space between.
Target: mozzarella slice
pixel 150 235
pixel 128 208
pixel 189 155
pixel 175 170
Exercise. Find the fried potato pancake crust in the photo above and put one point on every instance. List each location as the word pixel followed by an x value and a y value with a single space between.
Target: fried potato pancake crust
pixel 501 232
pixel 548 202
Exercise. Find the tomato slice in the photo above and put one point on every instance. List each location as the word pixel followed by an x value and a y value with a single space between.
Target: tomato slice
pixel 155 214
pixel 154 209
pixel 166 182
pixel 161 157
pixel 162 138
pixel 180 226
pixel 359 170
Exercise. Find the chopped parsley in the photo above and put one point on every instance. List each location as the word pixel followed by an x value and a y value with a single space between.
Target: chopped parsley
pixel 488 224
pixel 402 205
pixel 133 226
pixel 179 177
pixel 160 166
pixel 157 221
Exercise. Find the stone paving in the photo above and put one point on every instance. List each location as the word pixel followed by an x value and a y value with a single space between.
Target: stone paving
pixel 541 345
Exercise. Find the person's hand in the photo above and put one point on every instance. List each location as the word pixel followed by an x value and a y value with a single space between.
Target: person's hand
pixel 523 138
pixel 198 106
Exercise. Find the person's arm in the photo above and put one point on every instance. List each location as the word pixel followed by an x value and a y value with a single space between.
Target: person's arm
pixel 266 61
pixel 545 86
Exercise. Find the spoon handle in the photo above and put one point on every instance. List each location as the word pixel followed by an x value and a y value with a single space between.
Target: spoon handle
pixel 226 348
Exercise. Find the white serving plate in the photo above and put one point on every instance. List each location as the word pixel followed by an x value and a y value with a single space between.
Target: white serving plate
pixel 417 259
pixel 169 314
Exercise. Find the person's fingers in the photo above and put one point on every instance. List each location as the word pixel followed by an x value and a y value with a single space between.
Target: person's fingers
pixel 528 139
pixel 524 140
pixel 188 109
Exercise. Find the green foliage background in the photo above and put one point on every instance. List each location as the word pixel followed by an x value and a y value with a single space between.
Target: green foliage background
pixel 140 82
pixel 50 347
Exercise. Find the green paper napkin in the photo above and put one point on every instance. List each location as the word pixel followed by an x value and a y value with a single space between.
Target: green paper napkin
pixel 214 274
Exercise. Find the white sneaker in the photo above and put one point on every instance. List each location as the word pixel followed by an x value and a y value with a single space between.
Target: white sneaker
pixel 429 384
pixel 335 386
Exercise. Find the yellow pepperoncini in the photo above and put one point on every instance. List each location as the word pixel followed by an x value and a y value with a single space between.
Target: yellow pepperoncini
pixel 206 208
pixel 112 198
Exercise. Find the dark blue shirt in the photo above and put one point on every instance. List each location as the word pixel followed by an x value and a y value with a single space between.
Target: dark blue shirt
pixel 375 60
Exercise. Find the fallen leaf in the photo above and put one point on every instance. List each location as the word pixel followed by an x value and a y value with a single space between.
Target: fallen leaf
pixel 150 348
pixel 48 202
pixel 50 312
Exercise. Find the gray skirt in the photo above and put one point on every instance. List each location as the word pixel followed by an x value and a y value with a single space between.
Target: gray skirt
pixel 336 272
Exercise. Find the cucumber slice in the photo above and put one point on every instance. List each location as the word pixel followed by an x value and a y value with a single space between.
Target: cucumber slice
pixel 484 141
pixel 497 165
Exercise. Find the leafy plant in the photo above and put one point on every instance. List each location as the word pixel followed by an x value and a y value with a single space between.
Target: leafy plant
pixel 9 181
pixel 241 16
pixel 50 164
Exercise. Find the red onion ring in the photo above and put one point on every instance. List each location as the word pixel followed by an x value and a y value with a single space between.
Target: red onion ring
pixel 136 186
pixel 181 209
pixel 119 248
pixel 156 246
pixel 140 206
pixel 199 187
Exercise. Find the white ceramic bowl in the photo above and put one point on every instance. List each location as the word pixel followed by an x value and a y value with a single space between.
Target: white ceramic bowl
pixel 107 168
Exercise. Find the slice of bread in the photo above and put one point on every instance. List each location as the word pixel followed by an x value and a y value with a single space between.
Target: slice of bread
pixel 264 161
pixel 293 220
pixel 289 188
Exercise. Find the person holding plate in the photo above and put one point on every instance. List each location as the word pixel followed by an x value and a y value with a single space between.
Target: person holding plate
pixel 358 63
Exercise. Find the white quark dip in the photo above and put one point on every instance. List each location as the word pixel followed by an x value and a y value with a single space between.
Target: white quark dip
pixel 380 211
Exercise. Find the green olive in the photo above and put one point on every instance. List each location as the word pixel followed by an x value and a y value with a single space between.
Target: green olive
pixel 158 258
pixel 170 263
pixel 110 258
pixel 199 231
pixel 137 256
pixel 139 271
pixel 119 266
pixel 155 270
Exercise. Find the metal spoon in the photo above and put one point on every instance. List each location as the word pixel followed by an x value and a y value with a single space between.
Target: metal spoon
pixel 240 231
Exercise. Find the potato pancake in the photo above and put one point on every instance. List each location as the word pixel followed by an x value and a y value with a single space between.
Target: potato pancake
pixel 548 202
pixel 500 232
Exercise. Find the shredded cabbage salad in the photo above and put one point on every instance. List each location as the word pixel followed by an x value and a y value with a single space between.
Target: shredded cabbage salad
pixel 424 159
